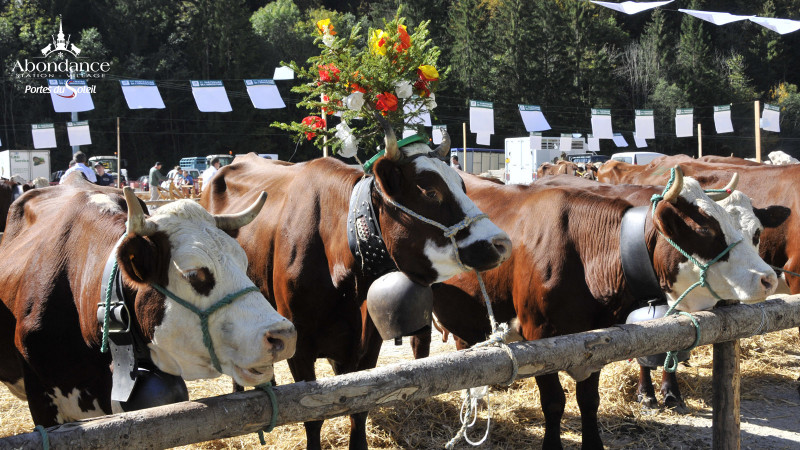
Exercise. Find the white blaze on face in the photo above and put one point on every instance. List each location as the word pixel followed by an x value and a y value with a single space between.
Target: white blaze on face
pixel 240 331
pixel 69 409
pixel 741 277
pixel 444 258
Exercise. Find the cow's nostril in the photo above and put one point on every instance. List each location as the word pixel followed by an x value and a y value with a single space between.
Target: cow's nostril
pixel 275 342
pixel 503 246
pixel 768 282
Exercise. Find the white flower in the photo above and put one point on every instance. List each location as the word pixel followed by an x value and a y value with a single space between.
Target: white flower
pixel 354 101
pixel 327 39
pixel 430 102
pixel 349 142
pixel 403 89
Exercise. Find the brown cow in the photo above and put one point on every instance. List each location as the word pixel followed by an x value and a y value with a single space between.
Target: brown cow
pixel 299 254
pixel 764 184
pixel 61 239
pixel 565 275
pixel 728 160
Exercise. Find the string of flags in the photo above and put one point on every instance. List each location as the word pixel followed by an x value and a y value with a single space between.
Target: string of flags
pixel 781 26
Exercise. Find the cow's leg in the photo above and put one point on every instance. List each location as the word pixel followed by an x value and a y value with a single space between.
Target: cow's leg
pixel 303 370
pixel 421 343
pixel 645 392
pixel 43 411
pixel 553 403
pixel 588 397
pixel 671 392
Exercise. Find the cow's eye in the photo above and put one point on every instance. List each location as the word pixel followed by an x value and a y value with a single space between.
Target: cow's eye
pixel 202 280
pixel 756 237
pixel 430 193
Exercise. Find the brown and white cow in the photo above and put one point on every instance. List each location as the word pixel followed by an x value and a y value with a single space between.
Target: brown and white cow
pixel 562 167
pixel 60 238
pixel 764 184
pixel 565 275
pixel 299 254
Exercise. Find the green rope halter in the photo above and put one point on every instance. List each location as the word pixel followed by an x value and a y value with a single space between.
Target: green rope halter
pixel 204 315
pixel 671 363
pixel 45 437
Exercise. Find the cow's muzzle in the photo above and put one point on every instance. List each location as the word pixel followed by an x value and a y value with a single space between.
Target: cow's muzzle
pixel 486 254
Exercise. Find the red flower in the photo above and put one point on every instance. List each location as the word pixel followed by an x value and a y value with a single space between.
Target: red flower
pixel 422 87
pixel 314 122
pixel 405 39
pixel 328 73
pixel 356 88
pixel 386 102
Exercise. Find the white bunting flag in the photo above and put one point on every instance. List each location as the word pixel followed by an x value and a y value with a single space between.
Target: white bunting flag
pixel 483 138
pixel 593 143
pixel 210 96
pixel 70 95
pixel 632 7
pixel 717 18
pixel 78 133
pixel 565 143
pixel 436 133
pixel 421 114
pixel 408 132
pixel 141 94
pixel 771 118
pixel 684 122
pixel 644 124
pixel 44 135
pixel 264 94
pixel 722 119
pixel 620 141
pixel 533 118
pixel 481 117
pixel 283 73
pixel 780 26
pixel 639 141
pixel 536 141
pixel 601 124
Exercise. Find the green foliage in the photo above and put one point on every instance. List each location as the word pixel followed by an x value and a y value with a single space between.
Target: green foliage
pixel 357 77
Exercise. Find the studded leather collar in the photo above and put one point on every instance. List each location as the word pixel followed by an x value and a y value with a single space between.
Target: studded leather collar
pixel 363 232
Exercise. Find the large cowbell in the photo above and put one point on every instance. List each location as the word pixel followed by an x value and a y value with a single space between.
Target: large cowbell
pixel 154 388
pixel 398 306
pixel 650 313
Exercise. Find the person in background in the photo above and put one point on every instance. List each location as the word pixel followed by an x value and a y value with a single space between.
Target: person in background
pixel 454 163
pixel 188 179
pixel 80 166
pixel 174 172
pixel 103 179
pixel 156 177
pixel 209 173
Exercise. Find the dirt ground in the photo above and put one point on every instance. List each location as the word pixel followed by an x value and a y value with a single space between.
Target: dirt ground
pixel 770 408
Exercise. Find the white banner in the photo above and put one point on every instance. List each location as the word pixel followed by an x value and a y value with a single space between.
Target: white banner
pixel 601 124
pixel 283 73
pixel 44 135
pixel 423 117
pixel 684 122
pixel 771 118
pixel 722 119
pixel 264 94
pixel 78 133
pixel 210 96
pixel 536 141
pixel 141 94
pixel 620 141
pixel 70 95
pixel 436 133
pixel 717 18
pixel 483 139
pixel 533 118
pixel 632 7
pixel 565 143
pixel 481 117
pixel 644 124
pixel 780 26
pixel 593 143
pixel 640 142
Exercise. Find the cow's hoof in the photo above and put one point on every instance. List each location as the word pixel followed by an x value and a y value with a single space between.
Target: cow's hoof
pixel 675 403
pixel 647 401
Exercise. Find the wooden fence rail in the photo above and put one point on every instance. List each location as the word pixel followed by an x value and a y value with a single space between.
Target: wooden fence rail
pixel 241 413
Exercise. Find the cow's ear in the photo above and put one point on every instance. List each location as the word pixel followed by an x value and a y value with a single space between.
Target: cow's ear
pixel 670 221
pixel 137 258
pixel 772 216
pixel 387 174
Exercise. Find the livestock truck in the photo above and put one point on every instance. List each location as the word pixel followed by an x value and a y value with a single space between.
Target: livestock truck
pixel 28 164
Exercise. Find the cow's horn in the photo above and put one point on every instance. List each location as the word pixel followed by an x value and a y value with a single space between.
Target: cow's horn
pixel 137 223
pixel 231 222
pixel 392 151
pixel 727 190
pixel 443 150
pixel 677 185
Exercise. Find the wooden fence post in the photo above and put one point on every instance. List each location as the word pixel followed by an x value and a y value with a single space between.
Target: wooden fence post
pixel 726 396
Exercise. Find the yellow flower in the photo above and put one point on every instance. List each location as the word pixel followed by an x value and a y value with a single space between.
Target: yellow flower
pixel 428 73
pixel 324 27
pixel 377 42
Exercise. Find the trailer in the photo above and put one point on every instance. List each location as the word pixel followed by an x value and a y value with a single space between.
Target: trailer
pixel 28 164
pixel 524 155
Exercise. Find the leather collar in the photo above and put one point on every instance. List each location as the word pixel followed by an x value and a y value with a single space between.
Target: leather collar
pixel 636 263
pixel 363 232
